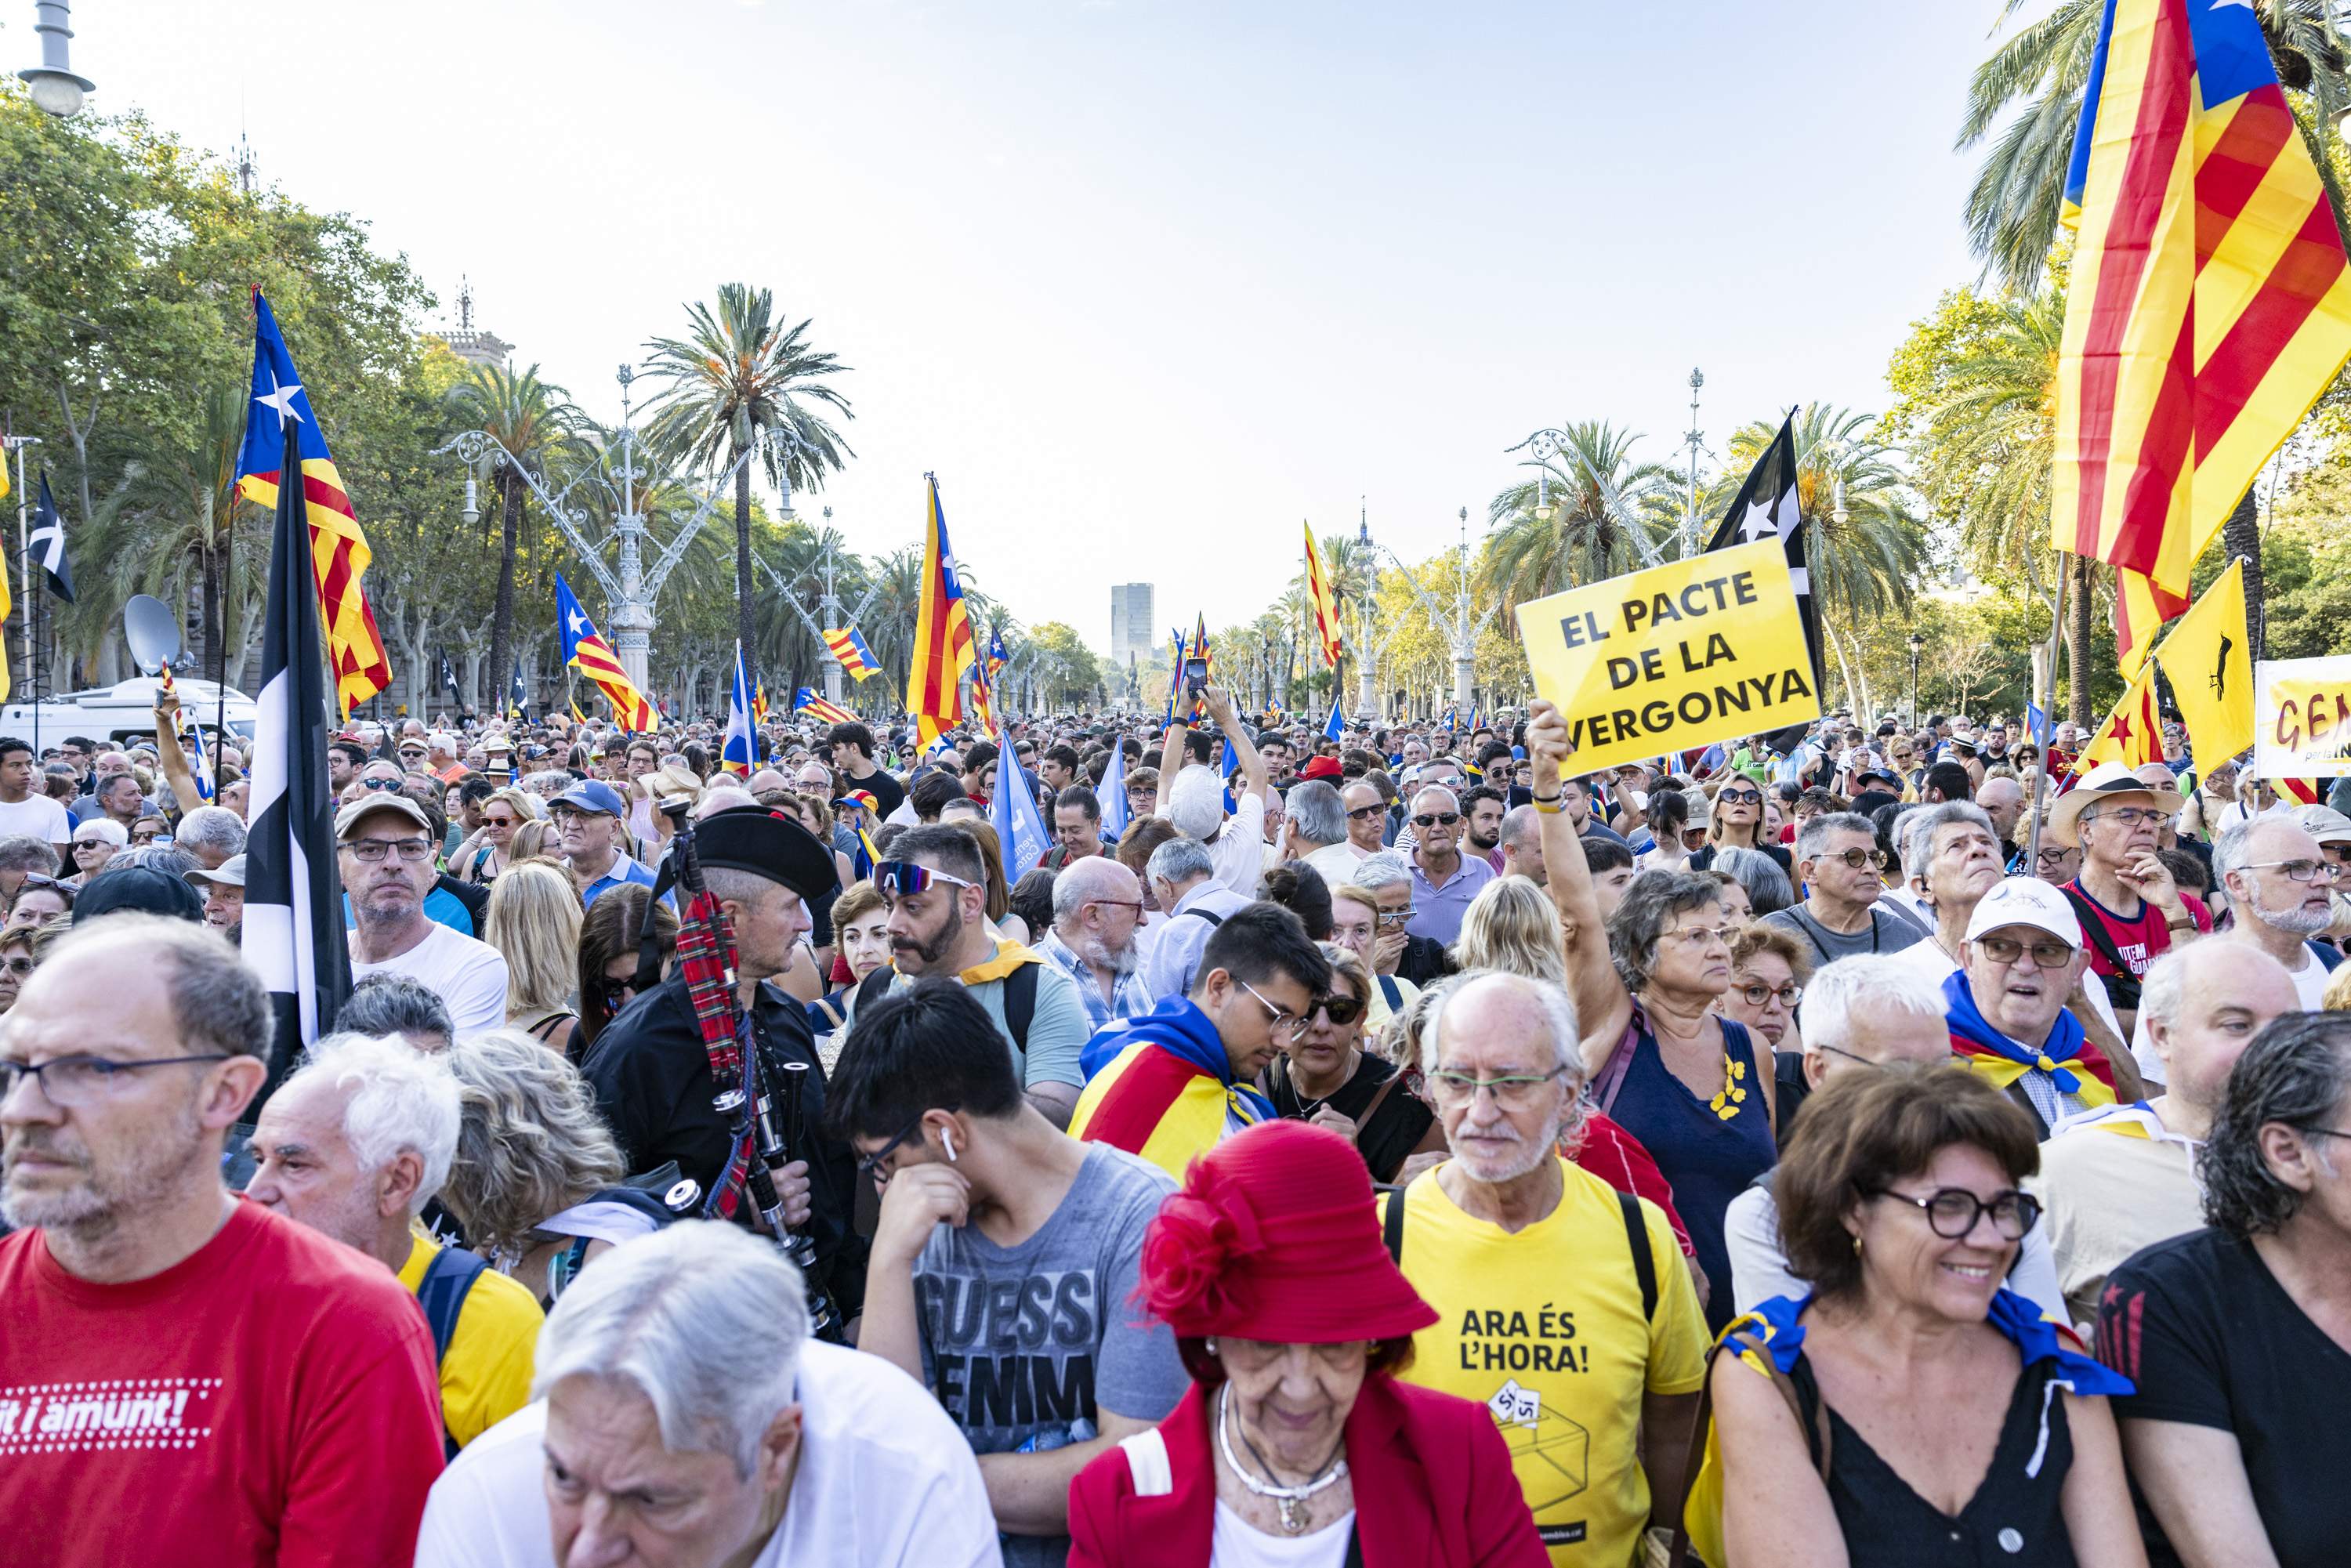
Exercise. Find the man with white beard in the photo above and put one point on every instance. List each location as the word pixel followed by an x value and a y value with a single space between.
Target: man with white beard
pixel 1097 910
pixel 2280 885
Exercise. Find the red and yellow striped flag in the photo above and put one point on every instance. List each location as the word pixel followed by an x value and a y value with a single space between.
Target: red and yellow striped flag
pixel 1325 602
pixel 339 550
pixel 2133 733
pixel 2209 301
pixel 942 641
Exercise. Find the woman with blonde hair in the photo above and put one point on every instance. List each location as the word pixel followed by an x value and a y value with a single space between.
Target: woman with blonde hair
pixel 1736 818
pixel 537 1177
pixel 505 811
pixel 999 891
pixel 1511 926
pixel 815 814
pixel 534 921
pixel 534 841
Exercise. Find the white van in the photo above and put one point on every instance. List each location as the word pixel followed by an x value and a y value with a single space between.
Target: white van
pixel 122 714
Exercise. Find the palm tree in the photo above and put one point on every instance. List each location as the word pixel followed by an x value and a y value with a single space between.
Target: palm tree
pixel 740 378
pixel 1567 527
pixel 533 420
pixel 1864 541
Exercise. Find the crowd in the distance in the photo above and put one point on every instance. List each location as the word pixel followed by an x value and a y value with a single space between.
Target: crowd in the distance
pixel 1332 1149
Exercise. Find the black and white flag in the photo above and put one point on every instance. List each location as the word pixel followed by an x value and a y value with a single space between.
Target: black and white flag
pixel 1768 505
pixel 293 893
pixel 448 675
pixel 46 544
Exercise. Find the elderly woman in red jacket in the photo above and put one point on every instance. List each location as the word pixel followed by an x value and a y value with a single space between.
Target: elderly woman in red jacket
pixel 1296 1445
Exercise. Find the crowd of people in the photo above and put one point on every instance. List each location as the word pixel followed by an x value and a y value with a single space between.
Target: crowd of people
pixel 1356 1157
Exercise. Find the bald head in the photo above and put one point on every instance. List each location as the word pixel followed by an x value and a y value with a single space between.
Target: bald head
pixel 2202 1004
pixel 724 797
pixel 1091 880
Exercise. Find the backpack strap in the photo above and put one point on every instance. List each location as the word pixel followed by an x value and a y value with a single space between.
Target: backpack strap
pixel 1391 991
pixel 872 987
pixel 1392 1224
pixel 1214 920
pixel 2121 985
pixel 1644 1263
pixel 1612 1077
pixel 1021 1004
pixel 442 1293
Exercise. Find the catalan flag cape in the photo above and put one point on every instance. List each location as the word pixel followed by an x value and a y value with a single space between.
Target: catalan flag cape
pixel 1325 602
pixel 942 641
pixel 2136 1119
pixel 2208 304
pixel 1770 1341
pixel 2075 1066
pixel 1160 1085
pixel 2209 662
pixel 848 646
pixel 805 701
pixel 339 551
pixel 2133 733
pixel 585 648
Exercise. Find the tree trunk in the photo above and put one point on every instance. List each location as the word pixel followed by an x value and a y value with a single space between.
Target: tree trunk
pixel 215 610
pixel 502 607
pixel 2241 536
pixel 2080 622
pixel 743 557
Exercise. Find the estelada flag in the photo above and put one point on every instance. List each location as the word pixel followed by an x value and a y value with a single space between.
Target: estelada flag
pixel 2208 304
pixel 2212 669
pixel 339 550
pixel 2133 733
pixel 849 646
pixel 584 648
pixel 943 640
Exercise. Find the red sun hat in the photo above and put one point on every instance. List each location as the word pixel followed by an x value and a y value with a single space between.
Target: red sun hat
pixel 1320 768
pixel 1273 1237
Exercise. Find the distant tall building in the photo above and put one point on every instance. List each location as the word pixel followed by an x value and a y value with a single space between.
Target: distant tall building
pixel 476 345
pixel 1133 622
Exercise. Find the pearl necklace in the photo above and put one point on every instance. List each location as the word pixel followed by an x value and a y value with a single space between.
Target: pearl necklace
pixel 1290 1500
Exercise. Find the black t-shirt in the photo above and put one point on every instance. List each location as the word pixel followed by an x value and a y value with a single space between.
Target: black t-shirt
pixel 1703 860
pixel 651 1076
pixel 1394 1129
pixel 887 793
pixel 2211 1339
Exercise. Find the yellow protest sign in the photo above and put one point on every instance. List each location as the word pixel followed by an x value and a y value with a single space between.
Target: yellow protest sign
pixel 1680 655
pixel 2302 715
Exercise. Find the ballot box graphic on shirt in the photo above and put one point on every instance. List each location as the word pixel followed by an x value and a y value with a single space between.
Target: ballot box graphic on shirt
pixel 1552 1454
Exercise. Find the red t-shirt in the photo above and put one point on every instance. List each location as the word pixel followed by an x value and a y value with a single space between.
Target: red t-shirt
pixel 269 1400
pixel 2141 940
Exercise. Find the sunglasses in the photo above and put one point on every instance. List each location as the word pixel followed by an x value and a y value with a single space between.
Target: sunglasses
pixel 1739 796
pixel 380 783
pixel 900 879
pixel 1437 818
pixel 1364 813
pixel 1340 1010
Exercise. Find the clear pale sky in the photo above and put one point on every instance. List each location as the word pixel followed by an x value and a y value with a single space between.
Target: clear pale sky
pixel 1145 282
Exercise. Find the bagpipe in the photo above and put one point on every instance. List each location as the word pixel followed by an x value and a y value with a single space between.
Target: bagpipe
pixel 763 1120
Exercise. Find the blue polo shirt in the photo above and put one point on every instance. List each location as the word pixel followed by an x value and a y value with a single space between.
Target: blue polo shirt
pixel 624 870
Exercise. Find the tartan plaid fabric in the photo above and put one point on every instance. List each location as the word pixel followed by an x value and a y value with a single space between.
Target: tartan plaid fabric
pixel 705 952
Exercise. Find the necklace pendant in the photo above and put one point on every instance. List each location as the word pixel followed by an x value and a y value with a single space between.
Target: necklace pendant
pixel 1294 1515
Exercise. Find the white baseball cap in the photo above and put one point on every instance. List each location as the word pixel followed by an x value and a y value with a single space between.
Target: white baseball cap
pixel 2025 901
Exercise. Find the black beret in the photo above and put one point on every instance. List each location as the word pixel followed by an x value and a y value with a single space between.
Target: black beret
pixel 767 842
pixel 140 887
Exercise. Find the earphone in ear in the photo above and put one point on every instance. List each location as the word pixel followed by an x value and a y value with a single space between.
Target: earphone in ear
pixel 946 1136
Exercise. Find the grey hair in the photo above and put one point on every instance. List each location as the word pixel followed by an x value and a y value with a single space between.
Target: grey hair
pixel 169 859
pixel 1767 888
pixel 1445 789
pixel 212 828
pixel 2232 848
pixel 217 1001
pixel 1651 899
pixel 1315 807
pixel 1557 1007
pixel 546 783
pixel 1382 870
pixel 1915 831
pixel 102 828
pixel 1866 985
pixel 1520 824
pixel 400 1099
pixel 2294 1072
pixel 393 1003
pixel 23 852
pixel 1179 861
pixel 668 1314
pixel 2164 986
pixel 1813 836
pixel 530 1143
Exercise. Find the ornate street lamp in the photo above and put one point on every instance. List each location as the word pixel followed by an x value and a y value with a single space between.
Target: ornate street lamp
pixel 54 88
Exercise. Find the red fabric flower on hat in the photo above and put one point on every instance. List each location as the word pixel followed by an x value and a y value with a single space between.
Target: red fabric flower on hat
pixel 1194 1256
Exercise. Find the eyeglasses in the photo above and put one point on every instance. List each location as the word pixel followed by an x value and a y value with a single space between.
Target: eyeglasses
pixel 1739 797
pixel 1280 1023
pixel 380 783
pixel 2298 871
pixel 1134 904
pixel 1855 858
pixel 1361 814
pixel 1952 1211
pixel 870 1167
pixel 371 852
pixel 2046 859
pixel 1701 934
pixel 901 879
pixel 1397 916
pixel 1437 818
pixel 1513 1093
pixel 1758 994
pixel 2127 816
pixel 1340 1010
pixel 71 1080
pixel 2049 954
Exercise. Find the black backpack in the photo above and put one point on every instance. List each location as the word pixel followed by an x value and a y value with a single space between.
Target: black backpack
pixel 1636 1235
pixel 448 1279
pixel 1020 998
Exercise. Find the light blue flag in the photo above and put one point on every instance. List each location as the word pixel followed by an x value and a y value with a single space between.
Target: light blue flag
pixel 198 767
pixel 1115 811
pixel 1335 724
pixel 2038 723
pixel 1013 813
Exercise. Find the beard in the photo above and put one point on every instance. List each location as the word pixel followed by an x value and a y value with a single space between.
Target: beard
pixel 1496 1169
pixel 93 1205
pixel 2294 919
pixel 1103 958
pixel 929 950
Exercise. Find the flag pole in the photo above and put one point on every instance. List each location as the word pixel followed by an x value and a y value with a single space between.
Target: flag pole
pixel 23 567
pixel 2041 774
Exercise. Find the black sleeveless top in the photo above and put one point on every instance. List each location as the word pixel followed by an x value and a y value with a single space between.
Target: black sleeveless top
pixel 2014 1519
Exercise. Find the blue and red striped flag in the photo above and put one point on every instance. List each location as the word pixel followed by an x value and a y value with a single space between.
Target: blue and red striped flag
pixel 2208 304
pixel 805 701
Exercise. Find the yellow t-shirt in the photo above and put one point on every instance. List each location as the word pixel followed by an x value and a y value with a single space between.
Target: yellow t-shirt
pixel 485 1376
pixel 1543 1327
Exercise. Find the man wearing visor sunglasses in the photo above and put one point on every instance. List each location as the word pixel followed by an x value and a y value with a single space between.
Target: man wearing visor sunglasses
pixel 936 887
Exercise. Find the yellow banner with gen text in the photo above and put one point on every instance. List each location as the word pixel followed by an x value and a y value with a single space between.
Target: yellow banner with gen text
pixel 1680 655
pixel 2301 718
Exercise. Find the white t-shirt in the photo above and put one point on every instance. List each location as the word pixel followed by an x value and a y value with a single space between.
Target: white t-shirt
pixel 884 1480
pixel 1239 852
pixel 470 976
pixel 1336 862
pixel 37 817
pixel 1236 1543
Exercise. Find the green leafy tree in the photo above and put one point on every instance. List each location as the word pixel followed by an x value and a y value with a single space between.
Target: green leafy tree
pixel 536 422
pixel 1592 513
